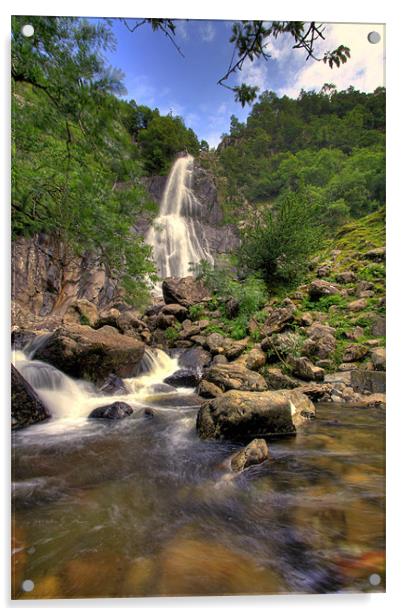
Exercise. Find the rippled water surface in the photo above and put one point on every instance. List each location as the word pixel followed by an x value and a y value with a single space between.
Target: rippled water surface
pixel 143 507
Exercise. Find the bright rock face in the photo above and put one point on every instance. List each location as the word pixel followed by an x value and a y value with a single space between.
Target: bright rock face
pixel 177 235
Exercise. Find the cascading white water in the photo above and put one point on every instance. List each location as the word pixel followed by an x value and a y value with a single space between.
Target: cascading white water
pixel 177 235
pixel 70 401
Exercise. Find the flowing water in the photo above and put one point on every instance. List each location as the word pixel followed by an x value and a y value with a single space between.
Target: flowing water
pixel 143 507
pixel 177 235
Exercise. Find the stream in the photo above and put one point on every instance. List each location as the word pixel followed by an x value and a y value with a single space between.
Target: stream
pixel 143 507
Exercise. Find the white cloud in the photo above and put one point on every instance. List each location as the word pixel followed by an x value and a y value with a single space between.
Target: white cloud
pixel 140 89
pixel 213 139
pixel 207 31
pixel 254 74
pixel 364 70
pixel 181 29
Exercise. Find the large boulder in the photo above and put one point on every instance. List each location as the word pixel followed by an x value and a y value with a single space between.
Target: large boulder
pixel 372 381
pixel 239 416
pixel 184 291
pixel 208 390
pixel 195 358
pixel 185 377
pixel 83 352
pixel 235 376
pixel 26 406
pixel 256 452
pixel 178 311
pixel 117 410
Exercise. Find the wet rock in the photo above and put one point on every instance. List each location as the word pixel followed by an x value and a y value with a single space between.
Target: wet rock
pixel 161 388
pixel 378 358
pixel 20 338
pixel 208 390
pixel 117 410
pixel 256 452
pixel 81 311
pixel 195 358
pixel 235 376
pixel 215 343
pixel 354 352
pixel 185 377
pixel 239 416
pixel 306 370
pixel 113 385
pixel 372 381
pixel 376 254
pixel 184 291
pixel 357 305
pixel 346 277
pixel 276 379
pixel 321 288
pixel 82 352
pixel 279 317
pixel 178 311
pixel 26 406
pixel 150 413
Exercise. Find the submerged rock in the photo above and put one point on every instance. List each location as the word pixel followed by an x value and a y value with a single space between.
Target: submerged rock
pixel 26 406
pixel 239 416
pixel 117 410
pixel 235 376
pixel 256 452
pixel 83 352
pixel 113 385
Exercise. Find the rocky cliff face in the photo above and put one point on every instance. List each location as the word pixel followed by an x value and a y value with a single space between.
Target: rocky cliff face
pixel 46 278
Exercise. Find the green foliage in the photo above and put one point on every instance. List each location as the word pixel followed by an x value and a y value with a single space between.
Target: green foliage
pixel 372 272
pixel 162 139
pixel 84 320
pixel 196 311
pixel 172 334
pixel 278 243
pixel 75 170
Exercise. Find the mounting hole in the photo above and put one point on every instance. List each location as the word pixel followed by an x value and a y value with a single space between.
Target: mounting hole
pixel 374 579
pixel 28 585
pixel 374 37
pixel 28 30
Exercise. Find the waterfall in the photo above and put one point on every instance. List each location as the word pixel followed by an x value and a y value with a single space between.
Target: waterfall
pixel 177 235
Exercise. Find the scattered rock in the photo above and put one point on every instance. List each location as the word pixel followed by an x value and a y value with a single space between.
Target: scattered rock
pixel 81 311
pixel 378 358
pixel 239 416
pixel 178 311
pixel 321 346
pixel 355 333
pixel 306 370
pixel 316 391
pixel 354 352
pixel 276 379
pixel 26 406
pixel 117 410
pixel 379 326
pixel 184 291
pixel 346 277
pixel 256 452
pixel 305 319
pixel 323 271
pixel 208 390
pixel 215 343
pixel 347 367
pixel 232 308
pixel 195 358
pixel 376 254
pixel 107 317
pixel 235 376
pixel 321 288
pixel 357 305
pixel 318 330
pixel 91 354
pixel 279 317
pixel 255 359
pixel 219 359
pixel 163 321
pixel 234 348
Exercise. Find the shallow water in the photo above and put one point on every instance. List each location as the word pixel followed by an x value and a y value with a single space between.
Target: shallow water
pixel 144 507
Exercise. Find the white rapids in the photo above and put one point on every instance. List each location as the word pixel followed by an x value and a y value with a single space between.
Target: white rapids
pixel 176 235
pixel 70 401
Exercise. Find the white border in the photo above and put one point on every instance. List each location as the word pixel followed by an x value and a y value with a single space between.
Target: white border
pixel 385 11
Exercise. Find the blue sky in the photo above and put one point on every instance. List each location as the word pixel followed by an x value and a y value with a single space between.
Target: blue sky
pixel 158 76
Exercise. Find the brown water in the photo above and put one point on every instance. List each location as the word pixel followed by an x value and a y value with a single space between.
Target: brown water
pixel 142 507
